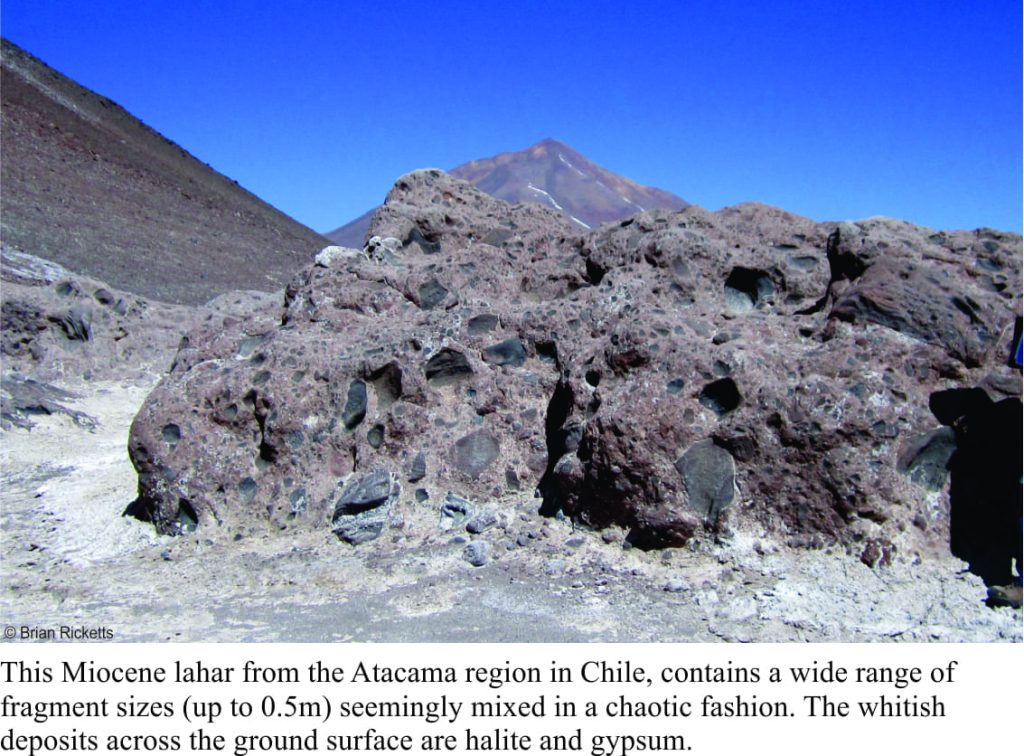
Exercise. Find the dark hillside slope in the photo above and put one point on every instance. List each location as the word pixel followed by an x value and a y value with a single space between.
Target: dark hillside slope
pixel 88 185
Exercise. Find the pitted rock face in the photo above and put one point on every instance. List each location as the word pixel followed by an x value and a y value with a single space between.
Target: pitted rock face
pixel 55 323
pixel 674 374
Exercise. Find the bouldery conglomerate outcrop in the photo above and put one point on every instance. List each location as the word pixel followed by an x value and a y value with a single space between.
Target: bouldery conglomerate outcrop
pixel 56 324
pixel 680 375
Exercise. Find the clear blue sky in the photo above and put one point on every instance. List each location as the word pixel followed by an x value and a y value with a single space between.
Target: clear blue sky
pixel 836 110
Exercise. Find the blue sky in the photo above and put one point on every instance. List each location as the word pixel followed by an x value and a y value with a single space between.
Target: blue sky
pixel 835 110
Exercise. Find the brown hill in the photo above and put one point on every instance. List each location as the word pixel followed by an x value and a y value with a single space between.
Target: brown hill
pixel 88 185
pixel 353 233
pixel 553 174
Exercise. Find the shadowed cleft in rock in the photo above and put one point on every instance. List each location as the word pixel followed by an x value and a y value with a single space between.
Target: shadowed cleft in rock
pixel 447 366
pixel 721 396
pixel 747 289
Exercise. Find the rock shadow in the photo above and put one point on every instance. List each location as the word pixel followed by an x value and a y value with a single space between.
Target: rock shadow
pixel 985 481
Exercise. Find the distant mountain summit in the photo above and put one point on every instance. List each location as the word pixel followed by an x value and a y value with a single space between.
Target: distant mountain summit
pixel 89 186
pixel 553 173
pixel 549 173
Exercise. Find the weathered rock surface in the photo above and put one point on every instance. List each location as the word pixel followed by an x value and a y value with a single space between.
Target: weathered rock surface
pixel 680 374
pixel 22 398
pixel 55 323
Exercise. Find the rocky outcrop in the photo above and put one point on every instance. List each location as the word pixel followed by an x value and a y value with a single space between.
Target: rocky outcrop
pixel 946 290
pixel 55 323
pixel 23 398
pixel 681 375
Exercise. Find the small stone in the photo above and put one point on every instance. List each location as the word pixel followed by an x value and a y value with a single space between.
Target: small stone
pixel 554 566
pixel 360 528
pixel 247 489
pixel 482 521
pixel 455 511
pixel 104 297
pixel 418 468
pixel 477 553
pixel 367 492
pixel 509 352
pixel 432 294
pixel 375 436
pixel 709 474
pixel 474 453
pixel 925 459
pixel 481 324
pixel 327 256
pixel 362 510
pixel 575 543
pixel 522 539
pixel 677 586
pixel 355 405
pixel 76 323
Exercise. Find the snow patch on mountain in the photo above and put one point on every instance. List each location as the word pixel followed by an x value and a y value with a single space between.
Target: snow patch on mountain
pixel 628 201
pixel 573 167
pixel 549 198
